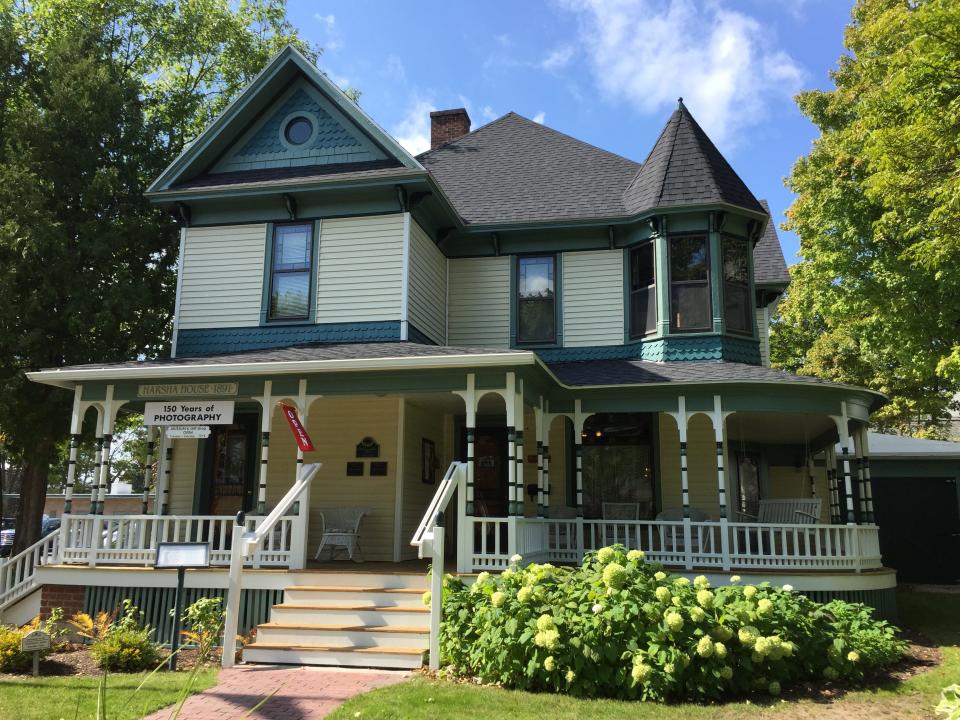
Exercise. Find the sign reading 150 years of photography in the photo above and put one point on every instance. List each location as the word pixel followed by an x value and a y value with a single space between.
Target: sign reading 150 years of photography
pixel 195 412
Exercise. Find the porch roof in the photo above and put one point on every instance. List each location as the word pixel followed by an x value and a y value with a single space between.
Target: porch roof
pixel 606 373
pixel 294 359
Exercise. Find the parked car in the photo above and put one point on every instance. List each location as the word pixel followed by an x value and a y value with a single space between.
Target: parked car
pixel 47 526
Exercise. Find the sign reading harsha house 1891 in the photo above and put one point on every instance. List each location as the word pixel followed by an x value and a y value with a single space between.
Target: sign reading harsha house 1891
pixel 187 390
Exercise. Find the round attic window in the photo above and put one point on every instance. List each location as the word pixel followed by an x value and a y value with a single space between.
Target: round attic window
pixel 298 130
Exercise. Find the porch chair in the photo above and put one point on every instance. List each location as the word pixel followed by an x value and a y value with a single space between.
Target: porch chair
pixel 341 529
pixel 799 511
pixel 672 541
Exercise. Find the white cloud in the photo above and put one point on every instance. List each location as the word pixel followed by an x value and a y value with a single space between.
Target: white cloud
pixel 649 52
pixel 328 20
pixel 488 113
pixel 540 117
pixel 413 131
pixel 395 69
pixel 558 58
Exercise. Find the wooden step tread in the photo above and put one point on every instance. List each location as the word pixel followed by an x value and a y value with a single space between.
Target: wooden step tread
pixel 346 628
pixel 365 608
pixel 373 650
pixel 351 588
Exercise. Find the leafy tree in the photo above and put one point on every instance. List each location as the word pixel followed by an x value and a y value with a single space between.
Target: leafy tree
pixel 96 98
pixel 876 299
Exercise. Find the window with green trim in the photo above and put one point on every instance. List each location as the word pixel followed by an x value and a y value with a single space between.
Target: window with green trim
pixel 536 300
pixel 689 283
pixel 737 308
pixel 643 291
pixel 291 269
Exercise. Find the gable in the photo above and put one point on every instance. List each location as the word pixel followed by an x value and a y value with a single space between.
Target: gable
pixel 239 141
pixel 334 139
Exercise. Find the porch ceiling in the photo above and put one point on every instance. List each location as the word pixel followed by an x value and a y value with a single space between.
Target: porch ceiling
pixel 777 428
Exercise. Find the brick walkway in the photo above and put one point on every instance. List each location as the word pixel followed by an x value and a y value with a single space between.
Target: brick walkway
pixel 304 692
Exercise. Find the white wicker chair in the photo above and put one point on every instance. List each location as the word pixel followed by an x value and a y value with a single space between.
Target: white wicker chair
pixel 341 529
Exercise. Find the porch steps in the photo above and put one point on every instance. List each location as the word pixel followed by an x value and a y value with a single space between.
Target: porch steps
pixel 376 621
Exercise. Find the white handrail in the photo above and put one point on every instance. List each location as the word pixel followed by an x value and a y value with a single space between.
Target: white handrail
pixel 439 503
pixel 18 573
pixel 244 544
pixel 428 539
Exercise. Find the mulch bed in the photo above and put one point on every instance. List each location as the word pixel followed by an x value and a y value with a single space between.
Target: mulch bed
pixel 75 660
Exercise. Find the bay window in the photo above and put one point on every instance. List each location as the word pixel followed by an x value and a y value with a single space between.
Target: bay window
pixel 643 297
pixel 689 283
pixel 536 300
pixel 291 271
pixel 737 309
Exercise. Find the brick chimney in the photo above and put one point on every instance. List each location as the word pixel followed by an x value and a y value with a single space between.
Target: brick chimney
pixel 447 125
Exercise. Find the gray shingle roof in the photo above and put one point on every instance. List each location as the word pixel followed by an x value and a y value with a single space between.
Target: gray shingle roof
pixel 685 168
pixel 638 372
pixel 307 353
pixel 769 267
pixel 515 170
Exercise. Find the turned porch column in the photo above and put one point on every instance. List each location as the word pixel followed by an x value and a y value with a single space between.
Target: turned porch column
pixel 266 421
pixel 76 424
pixel 148 468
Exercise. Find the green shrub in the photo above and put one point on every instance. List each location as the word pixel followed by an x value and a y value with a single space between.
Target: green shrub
pixel 126 646
pixel 12 659
pixel 620 627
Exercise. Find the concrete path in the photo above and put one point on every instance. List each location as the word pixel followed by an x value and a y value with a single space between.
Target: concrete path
pixel 302 692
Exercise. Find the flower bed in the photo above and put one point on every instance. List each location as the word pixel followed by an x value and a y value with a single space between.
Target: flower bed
pixel 621 627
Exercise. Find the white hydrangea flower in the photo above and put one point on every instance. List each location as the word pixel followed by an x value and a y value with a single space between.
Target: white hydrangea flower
pixel 597 608
pixel 516 559
pixel 788 588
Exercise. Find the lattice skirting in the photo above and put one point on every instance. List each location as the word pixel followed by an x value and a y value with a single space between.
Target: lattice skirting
pixel 156 603
pixel 883 602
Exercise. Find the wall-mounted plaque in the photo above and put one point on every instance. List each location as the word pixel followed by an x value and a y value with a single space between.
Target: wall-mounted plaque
pixel 378 469
pixel 354 469
pixel 368 448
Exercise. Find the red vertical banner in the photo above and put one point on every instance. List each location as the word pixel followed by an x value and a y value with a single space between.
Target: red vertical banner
pixel 299 431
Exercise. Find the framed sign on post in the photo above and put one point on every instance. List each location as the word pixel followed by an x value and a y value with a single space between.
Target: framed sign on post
pixel 195 412
pixel 179 557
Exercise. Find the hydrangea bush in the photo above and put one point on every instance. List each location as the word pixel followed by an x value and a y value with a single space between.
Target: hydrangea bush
pixel 621 627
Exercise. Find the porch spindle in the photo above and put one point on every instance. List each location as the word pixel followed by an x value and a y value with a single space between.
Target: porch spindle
pixel 867 481
pixel 718 435
pixel 76 420
pixel 861 476
pixel 844 455
pixel 266 420
pixel 148 470
pixel 830 461
pixel 167 473
pixel 95 480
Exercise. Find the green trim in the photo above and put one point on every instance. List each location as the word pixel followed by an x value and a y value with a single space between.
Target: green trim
pixel 715 272
pixel 286 64
pixel 627 251
pixel 710 281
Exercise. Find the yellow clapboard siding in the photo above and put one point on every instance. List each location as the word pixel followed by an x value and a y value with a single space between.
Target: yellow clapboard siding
pixel 428 285
pixel 479 302
pixel 222 270
pixel 360 273
pixel 592 290
pixel 701 465
pixel 336 425
pixel 419 423
pixel 183 477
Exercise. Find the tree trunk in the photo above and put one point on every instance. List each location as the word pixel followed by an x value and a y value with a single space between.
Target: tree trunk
pixel 33 494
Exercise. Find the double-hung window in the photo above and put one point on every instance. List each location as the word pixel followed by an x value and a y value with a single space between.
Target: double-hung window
pixel 737 309
pixel 643 297
pixel 536 300
pixel 291 270
pixel 689 283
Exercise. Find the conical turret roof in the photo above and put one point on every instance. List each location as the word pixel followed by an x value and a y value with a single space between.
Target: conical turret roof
pixel 685 168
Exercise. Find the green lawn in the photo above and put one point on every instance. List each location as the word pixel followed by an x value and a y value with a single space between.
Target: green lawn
pixel 936 615
pixel 75 698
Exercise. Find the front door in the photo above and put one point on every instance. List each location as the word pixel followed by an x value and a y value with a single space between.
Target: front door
pixel 490 471
pixel 228 468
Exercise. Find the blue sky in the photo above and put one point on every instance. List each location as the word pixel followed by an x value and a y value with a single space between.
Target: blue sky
pixel 605 71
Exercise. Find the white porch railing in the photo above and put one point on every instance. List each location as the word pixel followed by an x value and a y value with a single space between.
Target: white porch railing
pixel 133 539
pixel 18 573
pixel 429 541
pixel 246 543
pixel 682 543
